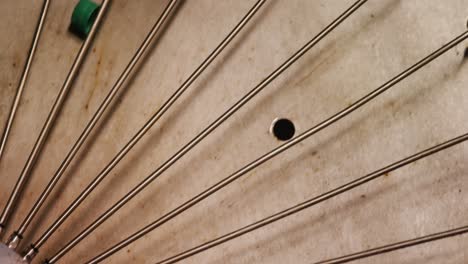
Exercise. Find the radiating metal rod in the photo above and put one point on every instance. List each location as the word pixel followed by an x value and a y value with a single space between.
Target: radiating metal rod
pixel 226 181
pixel 26 172
pixel 397 246
pixel 24 77
pixel 164 108
pixel 314 201
pixel 17 235
pixel 208 130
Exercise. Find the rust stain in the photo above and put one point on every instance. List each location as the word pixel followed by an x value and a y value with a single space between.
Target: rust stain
pixel 16 60
pixel 89 98
pixel 322 61
pixel 4 93
pixel 97 75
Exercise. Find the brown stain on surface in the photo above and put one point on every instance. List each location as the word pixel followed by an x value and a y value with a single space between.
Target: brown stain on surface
pixel 391 104
pixel 99 52
pixel 6 90
pixel 97 75
pixel 322 60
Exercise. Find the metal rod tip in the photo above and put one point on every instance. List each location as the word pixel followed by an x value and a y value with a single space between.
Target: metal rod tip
pixel 14 240
pixel 30 253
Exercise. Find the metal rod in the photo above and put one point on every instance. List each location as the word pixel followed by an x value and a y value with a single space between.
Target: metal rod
pixel 314 201
pixel 397 246
pixel 26 172
pixel 226 181
pixel 224 43
pixel 16 237
pixel 207 130
pixel 24 77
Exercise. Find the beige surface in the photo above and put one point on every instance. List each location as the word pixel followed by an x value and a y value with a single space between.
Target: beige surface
pixel 379 41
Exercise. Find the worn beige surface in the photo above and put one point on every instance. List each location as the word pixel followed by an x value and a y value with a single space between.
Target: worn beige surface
pixel 380 40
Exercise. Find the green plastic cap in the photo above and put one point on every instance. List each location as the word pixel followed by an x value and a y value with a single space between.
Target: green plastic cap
pixel 83 16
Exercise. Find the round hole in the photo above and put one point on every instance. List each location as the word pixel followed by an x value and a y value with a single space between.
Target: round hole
pixel 283 129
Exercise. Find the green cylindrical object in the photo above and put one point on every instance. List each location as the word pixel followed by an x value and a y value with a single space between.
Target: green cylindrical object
pixel 83 16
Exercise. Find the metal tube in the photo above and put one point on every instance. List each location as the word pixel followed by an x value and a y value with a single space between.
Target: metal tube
pixel 314 201
pixel 397 246
pixel 226 181
pixel 208 130
pixel 105 172
pixel 24 77
pixel 17 235
pixel 26 172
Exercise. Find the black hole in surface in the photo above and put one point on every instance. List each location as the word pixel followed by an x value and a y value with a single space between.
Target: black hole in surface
pixel 283 129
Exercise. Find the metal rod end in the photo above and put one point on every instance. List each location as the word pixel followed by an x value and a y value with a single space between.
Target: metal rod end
pixel 30 253
pixel 14 240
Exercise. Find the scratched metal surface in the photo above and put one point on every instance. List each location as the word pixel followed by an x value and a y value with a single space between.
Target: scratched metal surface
pixel 377 42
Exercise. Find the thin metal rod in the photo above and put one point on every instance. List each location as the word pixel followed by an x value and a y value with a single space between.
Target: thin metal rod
pixel 24 77
pixel 208 130
pixel 26 172
pixel 17 236
pixel 226 181
pixel 397 246
pixel 314 201
pixel 165 107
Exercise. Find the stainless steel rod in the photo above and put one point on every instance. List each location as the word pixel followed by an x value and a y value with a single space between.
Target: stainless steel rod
pixel 397 246
pixel 226 181
pixel 314 201
pixel 164 108
pixel 26 172
pixel 16 237
pixel 24 77
pixel 208 130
